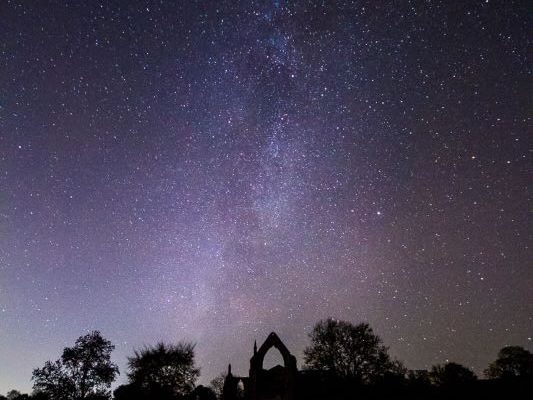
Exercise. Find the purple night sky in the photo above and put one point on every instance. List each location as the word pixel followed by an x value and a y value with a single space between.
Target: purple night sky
pixel 216 170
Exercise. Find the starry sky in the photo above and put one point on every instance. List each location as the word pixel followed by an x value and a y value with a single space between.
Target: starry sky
pixel 213 171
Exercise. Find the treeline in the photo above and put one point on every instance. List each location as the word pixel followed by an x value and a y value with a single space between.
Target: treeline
pixel 342 361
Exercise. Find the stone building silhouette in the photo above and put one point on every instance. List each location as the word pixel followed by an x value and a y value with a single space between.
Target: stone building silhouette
pixel 277 383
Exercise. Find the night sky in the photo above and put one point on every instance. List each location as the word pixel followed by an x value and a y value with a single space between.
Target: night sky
pixel 216 170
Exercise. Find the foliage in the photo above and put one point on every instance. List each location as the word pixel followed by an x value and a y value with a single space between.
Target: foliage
pixel 127 392
pixel 348 351
pixel 203 393
pixel 13 394
pixel 451 374
pixel 164 367
pixel 16 395
pixel 84 371
pixel 40 396
pixel 418 378
pixel 53 380
pixel 217 384
pixel 512 362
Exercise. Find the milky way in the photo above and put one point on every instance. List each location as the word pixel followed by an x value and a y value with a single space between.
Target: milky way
pixel 213 171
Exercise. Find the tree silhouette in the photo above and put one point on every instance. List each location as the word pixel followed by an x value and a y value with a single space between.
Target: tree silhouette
pixel 15 395
pixel 217 384
pixel 418 378
pixel 165 370
pixel 203 393
pixel 84 371
pixel 451 374
pixel 512 362
pixel 349 351
pixel 53 380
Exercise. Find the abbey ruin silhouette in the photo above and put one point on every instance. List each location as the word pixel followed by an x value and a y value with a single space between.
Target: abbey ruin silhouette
pixel 277 383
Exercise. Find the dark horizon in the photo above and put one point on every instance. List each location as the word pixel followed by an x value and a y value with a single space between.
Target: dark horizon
pixel 215 171
pixel 341 360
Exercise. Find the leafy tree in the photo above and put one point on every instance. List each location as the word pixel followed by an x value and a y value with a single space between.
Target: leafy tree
pixel 53 380
pixel 84 371
pixel 203 393
pixel 512 361
pixel 217 384
pixel 13 395
pixel 349 351
pixel 451 374
pixel 164 368
pixel 418 377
